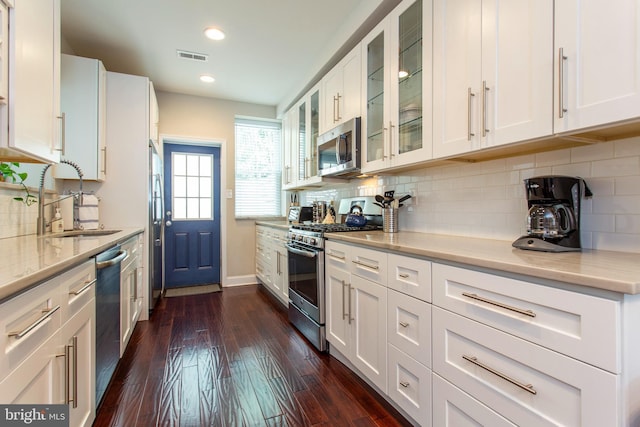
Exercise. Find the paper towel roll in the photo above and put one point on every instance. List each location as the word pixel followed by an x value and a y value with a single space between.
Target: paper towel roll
pixel 66 210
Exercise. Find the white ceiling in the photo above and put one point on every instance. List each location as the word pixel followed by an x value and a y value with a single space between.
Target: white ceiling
pixel 272 49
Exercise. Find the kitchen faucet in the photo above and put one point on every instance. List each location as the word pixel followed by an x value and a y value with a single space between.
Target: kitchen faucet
pixel 42 225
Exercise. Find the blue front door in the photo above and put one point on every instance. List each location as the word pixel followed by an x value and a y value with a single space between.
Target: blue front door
pixel 192 217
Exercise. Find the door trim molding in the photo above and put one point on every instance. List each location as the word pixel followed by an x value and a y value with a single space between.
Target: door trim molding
pixel 220 143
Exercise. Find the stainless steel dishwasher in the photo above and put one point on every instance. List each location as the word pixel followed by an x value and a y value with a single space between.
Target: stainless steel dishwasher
pixel 107 317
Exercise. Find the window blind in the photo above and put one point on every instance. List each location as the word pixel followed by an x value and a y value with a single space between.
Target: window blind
pixel 258 168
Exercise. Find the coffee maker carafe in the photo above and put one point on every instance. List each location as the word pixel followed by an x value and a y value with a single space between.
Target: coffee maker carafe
pixel 553 219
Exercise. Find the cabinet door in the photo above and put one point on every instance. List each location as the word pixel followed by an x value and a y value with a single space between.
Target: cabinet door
pixel 369 329
pixel 127 282
pixel 338 314
pixel 34 98
pixel 411 82
pixel 454 408
pixel 78 345
pixel 301 138
pixel 409 327
pixel 38 378
pixel 351 96
pixel 375 127
pixel 290 149
pixel 332 88
pixel 597 79
pixel 83 104
pixel 457 69
pixel 517 71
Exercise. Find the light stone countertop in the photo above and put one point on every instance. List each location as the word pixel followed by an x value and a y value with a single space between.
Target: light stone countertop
pixel 605 270
pixel 284 225
pixel 29 260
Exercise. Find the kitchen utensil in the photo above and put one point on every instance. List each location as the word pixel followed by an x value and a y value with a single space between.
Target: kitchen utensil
pixel 389 194
pixel 404 198
pixel 379 204
pixel 379 198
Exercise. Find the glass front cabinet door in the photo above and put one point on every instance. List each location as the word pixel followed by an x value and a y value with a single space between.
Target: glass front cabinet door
pixel 397 89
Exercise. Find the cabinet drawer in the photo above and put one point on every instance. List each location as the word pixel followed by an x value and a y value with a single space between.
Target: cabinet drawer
pixel 26 322
pixel 410 386
pixel 336 256
pixel 368 263
pixel 528 384
pixel 452 407
pixel 410 276
pixel 575 324
pixel 409 326
pixel 78 288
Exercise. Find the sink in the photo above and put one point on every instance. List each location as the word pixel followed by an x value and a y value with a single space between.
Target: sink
pixel 83 233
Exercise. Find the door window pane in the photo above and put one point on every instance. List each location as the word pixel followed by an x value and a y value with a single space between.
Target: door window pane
pixel 192 186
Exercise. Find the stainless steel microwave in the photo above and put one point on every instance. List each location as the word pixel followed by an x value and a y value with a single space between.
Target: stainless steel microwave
pixel 339 150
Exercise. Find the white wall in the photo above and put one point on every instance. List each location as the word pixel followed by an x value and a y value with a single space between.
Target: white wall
pixel 487 199
pixel 213 119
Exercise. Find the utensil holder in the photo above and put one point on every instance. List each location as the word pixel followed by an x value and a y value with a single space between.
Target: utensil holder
pixel 390 220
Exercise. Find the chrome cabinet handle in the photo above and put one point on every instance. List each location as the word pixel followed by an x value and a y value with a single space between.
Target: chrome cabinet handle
pixel 74 347
pixel 84 288
pixel 485 89
pixel 469 96
pixel 561 59
pixel 344 311
pixel 403 275
pixel 529 313
pixel 350 289
pixel 47 313
pixel 403 324
pixel 63 133
pixel 104 160
pixel 135 284
pixel 391 126
pixel 332 255
pixel 337 98
pixel 363 264
pixel 526 387
pixel 404 384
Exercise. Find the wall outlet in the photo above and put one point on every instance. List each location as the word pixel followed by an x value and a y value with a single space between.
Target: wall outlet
pixel 229 193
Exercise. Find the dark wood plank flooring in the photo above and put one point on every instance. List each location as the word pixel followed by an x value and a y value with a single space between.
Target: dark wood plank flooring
pixel 232 359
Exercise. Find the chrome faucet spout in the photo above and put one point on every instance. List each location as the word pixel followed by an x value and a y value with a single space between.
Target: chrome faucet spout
pixel 41 226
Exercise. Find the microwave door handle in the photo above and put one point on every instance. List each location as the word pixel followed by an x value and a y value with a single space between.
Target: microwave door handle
pixel 338 149
pixel 342 155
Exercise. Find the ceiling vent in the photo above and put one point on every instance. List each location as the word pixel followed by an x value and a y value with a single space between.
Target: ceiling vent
pixel 192 56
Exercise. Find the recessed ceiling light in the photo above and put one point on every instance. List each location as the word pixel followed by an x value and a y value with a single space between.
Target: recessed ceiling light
pixel 207 78
pixel 402 74
pixel 214 33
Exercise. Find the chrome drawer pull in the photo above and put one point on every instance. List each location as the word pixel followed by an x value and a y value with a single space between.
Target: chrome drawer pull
pixel 499 304
pixel 47 313
pixel 344 311
pixel 373 267
pixel 84 288
pixel 332 255
pixel 404 324
pixel 404 275
pixel 526 387
pixel 404 384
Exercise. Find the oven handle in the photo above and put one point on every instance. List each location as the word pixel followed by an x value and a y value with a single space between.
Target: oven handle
pixel 297 251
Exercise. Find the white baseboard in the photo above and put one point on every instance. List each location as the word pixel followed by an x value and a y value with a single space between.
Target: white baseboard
pixel 249 279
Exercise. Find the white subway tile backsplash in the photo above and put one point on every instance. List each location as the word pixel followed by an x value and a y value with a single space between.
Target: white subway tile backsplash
pixel 621 166
pixel 487 199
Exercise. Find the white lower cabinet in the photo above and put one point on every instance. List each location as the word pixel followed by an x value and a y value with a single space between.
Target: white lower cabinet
pixel 524 382
pixel 272 269
pixel 357 309
pixel 48 338
pixel 453 407
pixel 131 292
pixel 410 386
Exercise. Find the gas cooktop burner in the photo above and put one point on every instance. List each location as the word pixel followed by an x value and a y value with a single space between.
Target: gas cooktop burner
pixel 333 228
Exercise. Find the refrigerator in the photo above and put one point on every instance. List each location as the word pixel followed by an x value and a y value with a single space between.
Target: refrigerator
pixel 156 226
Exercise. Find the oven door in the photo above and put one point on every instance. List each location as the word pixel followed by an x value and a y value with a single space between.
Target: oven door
pixel 306 281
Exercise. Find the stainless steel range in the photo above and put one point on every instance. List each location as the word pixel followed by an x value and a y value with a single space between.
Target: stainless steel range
pixel 306 276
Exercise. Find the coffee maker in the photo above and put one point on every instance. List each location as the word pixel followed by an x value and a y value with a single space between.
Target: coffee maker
pixel 553 219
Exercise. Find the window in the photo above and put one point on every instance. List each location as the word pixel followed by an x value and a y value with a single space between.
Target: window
pixel 192 186
pixel 258 168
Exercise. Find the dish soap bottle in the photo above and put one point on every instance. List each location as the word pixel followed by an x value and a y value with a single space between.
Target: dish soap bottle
pixel 57 225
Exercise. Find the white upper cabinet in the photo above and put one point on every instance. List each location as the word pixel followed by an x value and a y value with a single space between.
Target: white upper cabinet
pixel 597 76
pixel 306 136
pixel 492 73
pixel 33 127
pixel 84 106
pixel 341 91
pixel 289 149
pixel 397 89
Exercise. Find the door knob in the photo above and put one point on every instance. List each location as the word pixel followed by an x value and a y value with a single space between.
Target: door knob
pixel 168 223
pixel 168 213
